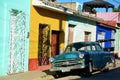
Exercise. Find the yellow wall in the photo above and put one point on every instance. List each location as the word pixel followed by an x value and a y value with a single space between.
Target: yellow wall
pixel 54 19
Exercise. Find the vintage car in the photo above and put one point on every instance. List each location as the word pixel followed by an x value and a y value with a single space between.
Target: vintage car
pixel 81 56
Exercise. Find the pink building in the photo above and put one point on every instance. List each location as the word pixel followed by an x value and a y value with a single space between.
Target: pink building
pixel 109 16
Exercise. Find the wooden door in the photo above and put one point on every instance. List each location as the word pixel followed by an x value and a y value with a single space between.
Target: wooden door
pixel 55 43
pixel 70 34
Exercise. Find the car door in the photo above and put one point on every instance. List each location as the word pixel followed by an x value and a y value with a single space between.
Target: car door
pixel 102 56
pixel 96 56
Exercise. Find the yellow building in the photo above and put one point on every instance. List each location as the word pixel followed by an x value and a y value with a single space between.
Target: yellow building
pixel 47 31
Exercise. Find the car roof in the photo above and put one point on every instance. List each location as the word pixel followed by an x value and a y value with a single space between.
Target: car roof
pixel 83 43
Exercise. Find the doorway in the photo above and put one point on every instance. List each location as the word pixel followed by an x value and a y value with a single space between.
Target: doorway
pixel 43 44
pixel 55 43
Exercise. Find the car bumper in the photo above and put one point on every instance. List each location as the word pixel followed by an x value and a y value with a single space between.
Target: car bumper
pixel 67 69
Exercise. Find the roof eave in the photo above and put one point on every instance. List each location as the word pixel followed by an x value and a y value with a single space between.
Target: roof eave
pixel 81 14
pixel 46 5
pixel 64 10
pixel 108 26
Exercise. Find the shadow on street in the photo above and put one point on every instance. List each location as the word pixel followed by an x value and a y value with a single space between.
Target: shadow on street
pixel 113 74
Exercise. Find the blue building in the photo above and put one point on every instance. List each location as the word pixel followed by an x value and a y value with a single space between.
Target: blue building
pixel 105 34
pixel 14 26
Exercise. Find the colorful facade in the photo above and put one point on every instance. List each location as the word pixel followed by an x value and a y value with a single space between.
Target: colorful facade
pixel 80 26
pixel 106 35
pixel 113 16
pixel 47 31
pixel 80 29
pixel 14 20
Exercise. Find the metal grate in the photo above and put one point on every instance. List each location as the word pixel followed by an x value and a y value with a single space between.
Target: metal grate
pixel 17 41
pixel 44 44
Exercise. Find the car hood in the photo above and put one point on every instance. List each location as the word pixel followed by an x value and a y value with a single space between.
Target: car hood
pixel 69 55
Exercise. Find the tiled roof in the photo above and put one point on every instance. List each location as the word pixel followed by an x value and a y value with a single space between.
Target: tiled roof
pixel 110 24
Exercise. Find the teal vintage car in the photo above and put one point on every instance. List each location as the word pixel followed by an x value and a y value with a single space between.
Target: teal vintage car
pixel 84 57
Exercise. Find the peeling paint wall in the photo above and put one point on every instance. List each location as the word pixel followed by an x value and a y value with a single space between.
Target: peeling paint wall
pixel 81 25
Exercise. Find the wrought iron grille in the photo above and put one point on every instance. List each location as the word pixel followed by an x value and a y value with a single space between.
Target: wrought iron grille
pixel 17 41
pixel 44 44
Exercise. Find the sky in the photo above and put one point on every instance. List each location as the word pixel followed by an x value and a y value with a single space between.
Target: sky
pixel 116 3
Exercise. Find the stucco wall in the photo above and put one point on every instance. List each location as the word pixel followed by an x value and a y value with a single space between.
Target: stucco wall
pixel 39 15
pixel 55 20
pixel 5 7
pixel 82 25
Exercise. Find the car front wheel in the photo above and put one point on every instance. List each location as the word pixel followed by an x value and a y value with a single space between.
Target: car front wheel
pixel 88 70
pixel 57 74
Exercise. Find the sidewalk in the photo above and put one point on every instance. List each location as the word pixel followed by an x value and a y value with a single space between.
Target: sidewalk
pixel 38 75
pixel 31 75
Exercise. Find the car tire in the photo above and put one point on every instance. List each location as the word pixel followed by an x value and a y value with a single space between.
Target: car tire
pixel 88 70
pixel 113 61
pixel 106 69
pixel 57 74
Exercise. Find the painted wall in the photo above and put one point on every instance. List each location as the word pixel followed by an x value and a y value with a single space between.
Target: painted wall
pixel 5 7
pixel 107 36
pixel 82 25
pixel 55 20
pixel 113 16
pixel 117 41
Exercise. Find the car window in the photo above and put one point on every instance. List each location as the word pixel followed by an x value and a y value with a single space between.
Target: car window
pixel 93 48
pixel 73 49
pixel 96 47
pixel 84 48
pixel 70 48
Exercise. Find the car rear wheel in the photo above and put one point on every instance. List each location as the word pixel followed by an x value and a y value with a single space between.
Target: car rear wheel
pixel 106 69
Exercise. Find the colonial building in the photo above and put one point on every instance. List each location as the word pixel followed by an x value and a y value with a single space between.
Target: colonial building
pixel 47 30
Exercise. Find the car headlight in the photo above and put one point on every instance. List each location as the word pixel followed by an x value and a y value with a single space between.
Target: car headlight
pixel 51 60
pixel 81 55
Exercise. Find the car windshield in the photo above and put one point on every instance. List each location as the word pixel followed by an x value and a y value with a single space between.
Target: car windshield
pixel 76 47
pixel 83 47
